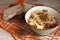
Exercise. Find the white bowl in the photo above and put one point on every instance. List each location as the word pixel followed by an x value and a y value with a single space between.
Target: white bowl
pixel 51 10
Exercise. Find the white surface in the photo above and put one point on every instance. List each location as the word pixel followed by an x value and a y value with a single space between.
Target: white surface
pixel 4 35
pixel 51 10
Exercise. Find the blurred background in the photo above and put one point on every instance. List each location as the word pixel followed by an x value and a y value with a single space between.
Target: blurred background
pixel 52 3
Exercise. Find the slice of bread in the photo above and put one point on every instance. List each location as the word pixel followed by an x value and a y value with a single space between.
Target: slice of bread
pixel 10 12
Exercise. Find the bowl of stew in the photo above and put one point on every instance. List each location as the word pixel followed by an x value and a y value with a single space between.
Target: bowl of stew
pixel 42 19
